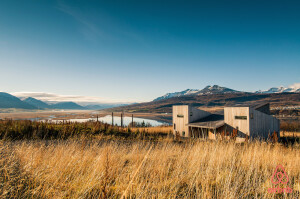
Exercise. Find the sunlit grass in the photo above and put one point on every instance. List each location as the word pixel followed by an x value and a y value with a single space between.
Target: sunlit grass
pixel 96 160
pixel 157 129
pixel 91 169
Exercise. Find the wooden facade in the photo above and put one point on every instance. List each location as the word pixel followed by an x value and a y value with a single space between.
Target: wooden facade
pixel 241 122
pixel 185 114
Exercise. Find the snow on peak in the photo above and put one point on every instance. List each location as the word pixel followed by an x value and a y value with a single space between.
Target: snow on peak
pixel 281 89
pixel 215 89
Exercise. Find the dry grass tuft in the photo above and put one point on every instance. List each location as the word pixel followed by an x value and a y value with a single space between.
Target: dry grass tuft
pixel 157 129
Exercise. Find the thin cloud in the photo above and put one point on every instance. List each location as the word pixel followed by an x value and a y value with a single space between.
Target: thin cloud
pixel 89 29
pixel 295 86
pixel 51 97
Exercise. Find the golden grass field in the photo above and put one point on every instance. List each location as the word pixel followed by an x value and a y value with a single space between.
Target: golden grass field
pixel 141 169
pixel 97 160
pixel 169 129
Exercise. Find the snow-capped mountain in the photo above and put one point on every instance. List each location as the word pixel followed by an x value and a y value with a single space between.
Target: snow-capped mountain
pixel 178 94
pixel 291 89
pixel 215 89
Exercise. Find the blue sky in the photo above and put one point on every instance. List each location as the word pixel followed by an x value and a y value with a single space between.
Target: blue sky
pixel 139 50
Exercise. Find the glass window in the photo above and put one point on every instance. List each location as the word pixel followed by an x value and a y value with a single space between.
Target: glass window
pixel 179 115
pixel 240 117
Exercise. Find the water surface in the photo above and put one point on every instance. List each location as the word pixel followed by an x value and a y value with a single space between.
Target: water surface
pixel 117 120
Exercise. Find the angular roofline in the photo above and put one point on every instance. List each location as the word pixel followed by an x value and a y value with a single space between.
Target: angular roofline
pixel 254 105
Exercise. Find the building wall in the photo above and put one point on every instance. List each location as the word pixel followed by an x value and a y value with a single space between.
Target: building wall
pixel 230 119
pixel 180 122
pixel 189 114
pixel 263 124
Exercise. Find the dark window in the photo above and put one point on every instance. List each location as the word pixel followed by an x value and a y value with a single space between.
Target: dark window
pixel 251 115
pixel 179 115
pixel 240 117
pixel 183 133
pixel 174 126
pixel 191 113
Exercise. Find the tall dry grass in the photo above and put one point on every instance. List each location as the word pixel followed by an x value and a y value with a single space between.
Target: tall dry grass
pixel 98 169
pixel 156 129
pixel 28 130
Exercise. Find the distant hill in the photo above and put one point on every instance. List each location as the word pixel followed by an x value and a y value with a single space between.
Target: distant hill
pixel 10 101
pixel 67 105
pixel 102 106
pixel 95 107
pixel 37 103
pixel 60 105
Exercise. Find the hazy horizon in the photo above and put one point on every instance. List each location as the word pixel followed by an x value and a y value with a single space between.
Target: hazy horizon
pixel 53 97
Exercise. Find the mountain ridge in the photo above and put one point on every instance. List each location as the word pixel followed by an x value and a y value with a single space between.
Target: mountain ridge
pixel 37 103
pixel 9 101
pixel 216 89
pixel 280 89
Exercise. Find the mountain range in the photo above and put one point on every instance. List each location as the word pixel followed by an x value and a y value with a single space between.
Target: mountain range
pixel 191 95
pixel 281 89
pixel 215 89
pixel 9 101
pixel 214 102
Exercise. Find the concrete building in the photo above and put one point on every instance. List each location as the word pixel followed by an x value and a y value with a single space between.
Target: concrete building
pixel 242 122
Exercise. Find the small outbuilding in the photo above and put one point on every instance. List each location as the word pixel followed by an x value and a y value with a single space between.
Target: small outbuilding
pixel 240 121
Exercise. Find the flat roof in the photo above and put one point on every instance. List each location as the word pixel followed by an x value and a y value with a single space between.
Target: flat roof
pixel 216 120
pixel 212 121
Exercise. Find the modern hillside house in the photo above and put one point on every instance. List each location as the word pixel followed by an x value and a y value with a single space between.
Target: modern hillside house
pixel 245 121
